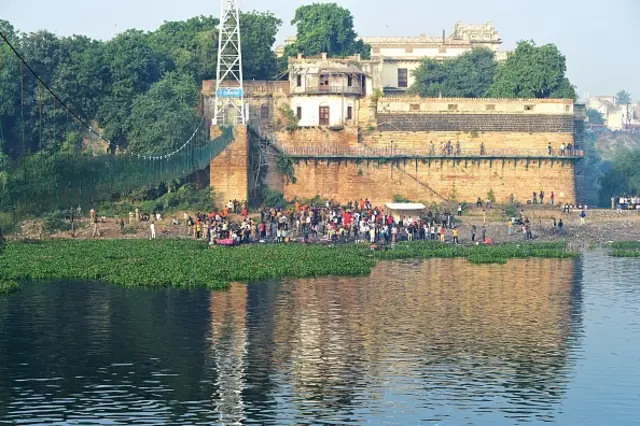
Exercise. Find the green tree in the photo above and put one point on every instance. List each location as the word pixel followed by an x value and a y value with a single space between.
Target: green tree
pixel 258 32
pixel 9 92
pixel 81 80
pixel 163 118
pixel 467 76
pixel 623 177
pixel 326 27
pixel 623 97
pixel 189 47
pixel 594 116
pixel 533 72
pixel 133 69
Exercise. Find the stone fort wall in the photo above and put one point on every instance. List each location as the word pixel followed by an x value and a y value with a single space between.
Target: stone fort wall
pixel 510 127
pixel 464 180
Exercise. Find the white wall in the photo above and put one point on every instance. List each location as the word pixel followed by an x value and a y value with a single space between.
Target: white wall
pixel 466 106
pixel 390 72
pixel 311 109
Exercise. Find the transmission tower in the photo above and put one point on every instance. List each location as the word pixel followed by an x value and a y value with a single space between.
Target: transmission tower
pixel 229 91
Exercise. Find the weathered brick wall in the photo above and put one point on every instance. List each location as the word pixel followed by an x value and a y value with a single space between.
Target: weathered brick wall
pixel 317 136
pixel 474 122
pixel 271 94
pixel 367 113
pixel 350 181
pixel 273 179
pixel 229 175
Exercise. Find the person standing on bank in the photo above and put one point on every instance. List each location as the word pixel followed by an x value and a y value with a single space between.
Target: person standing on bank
pixel 152 227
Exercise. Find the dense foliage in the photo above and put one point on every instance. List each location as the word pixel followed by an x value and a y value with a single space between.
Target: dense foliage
pixel 467 76
pixel 594 116
pixel 141 87
pixel 623 178
pixel 187 263
pixel 328 28
pixel 529 71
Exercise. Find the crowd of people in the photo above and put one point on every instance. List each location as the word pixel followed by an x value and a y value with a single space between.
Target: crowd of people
pixel 356 222
pixel 625 202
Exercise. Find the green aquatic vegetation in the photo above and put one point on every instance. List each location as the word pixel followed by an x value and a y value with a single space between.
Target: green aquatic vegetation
pixel 187 263
pixel 9 287
pixel 625 253
pixel 625 249
pixel 626 245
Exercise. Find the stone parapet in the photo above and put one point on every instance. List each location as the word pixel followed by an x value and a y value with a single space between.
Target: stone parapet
pixel 474 122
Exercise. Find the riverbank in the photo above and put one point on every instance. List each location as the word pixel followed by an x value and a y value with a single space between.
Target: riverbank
pixel 186 263
pixel 603 226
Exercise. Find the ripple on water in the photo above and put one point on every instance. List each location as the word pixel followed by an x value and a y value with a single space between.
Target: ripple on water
pixel 441 341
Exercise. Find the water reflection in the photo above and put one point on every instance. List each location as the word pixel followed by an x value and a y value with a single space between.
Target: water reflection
pixel 441 341
pixel 427 335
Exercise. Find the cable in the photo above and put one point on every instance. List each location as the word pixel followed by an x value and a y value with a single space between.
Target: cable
pixel 77 117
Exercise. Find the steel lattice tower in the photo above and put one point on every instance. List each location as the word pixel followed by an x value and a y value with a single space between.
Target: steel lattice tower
pixel 229 108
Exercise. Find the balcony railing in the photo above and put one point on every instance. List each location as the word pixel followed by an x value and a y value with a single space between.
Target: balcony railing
pixel 392 152
pixel 329 90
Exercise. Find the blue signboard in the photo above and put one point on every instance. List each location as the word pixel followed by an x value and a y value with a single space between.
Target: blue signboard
pixel 229 92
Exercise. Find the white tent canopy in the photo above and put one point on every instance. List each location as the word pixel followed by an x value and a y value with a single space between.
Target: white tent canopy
pixel 405 206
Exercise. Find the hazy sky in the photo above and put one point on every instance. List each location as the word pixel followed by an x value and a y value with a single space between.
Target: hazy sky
pixel 601 39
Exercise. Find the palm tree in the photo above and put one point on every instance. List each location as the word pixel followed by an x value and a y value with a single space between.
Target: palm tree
pixel 624 98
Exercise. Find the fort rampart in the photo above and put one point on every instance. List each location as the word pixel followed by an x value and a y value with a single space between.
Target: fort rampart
pixel 398 146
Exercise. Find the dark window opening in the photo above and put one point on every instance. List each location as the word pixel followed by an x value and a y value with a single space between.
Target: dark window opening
pixel 349 81
pixel 403 77
pixel 299 112
pixel 349 112
pixel 264 111
pixel 299 81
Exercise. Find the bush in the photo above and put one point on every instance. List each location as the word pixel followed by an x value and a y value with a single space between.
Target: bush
pixel 397 198
pixel 185 198
pixel 272 198
pixel 511 210
pixel 491 196
pixel 7 223
pixel 56 222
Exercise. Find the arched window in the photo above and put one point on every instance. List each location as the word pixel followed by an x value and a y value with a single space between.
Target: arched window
pixel 264 111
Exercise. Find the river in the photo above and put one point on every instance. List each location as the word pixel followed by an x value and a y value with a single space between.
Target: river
pixel 441 342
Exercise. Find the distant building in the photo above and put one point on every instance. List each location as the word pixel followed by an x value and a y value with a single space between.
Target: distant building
pixel 616 116
pixel 393 59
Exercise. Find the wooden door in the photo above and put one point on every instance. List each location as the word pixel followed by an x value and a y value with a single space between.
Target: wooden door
pixel 324 115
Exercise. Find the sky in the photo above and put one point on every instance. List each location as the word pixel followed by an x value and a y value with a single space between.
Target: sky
pixel 601 39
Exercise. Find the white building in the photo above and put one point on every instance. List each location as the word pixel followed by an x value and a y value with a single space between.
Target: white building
pixel 324 92
pixel 393 59
pixel 616 116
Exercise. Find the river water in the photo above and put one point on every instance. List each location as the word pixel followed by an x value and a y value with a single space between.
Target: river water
pixel 440 342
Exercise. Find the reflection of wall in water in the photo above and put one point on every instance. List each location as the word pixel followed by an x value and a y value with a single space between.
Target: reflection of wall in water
pixel 229 341
pixel 439 311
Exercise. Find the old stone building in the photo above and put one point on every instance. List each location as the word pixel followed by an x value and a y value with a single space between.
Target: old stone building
pixel 348 142
pixel 393 59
